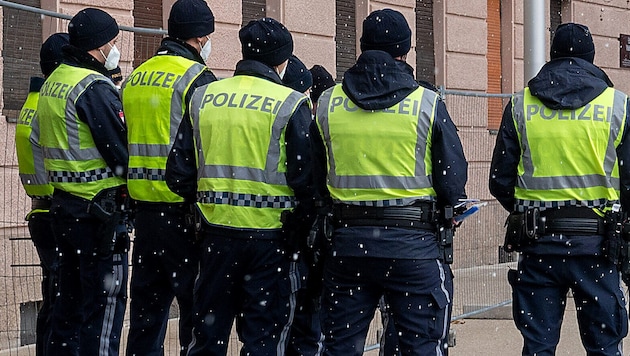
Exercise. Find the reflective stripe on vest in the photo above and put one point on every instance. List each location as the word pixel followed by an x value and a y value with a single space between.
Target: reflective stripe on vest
pixel 30 157
pixel 153 99
pixel 378 158
pixel 239 126
pixel 573 160
pixel 73 162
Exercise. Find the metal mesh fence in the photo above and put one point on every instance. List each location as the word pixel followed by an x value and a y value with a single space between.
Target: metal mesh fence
pixel 480 267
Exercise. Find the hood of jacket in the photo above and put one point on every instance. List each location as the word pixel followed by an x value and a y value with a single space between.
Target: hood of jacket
pixel 568 83
pixel 378 81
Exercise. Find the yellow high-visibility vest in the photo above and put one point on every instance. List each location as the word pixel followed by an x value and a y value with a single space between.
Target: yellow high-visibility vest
pixel 153 98
pixel 71 158
pixel 568 156
pixel 380 157
pixel 239 125
pixel 30 157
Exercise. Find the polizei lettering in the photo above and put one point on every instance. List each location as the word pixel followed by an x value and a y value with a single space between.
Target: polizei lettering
pixel 26 116
pixel 55 90
pixel 589 112
pixel 154 79
pixel 242 101
pixel 406 107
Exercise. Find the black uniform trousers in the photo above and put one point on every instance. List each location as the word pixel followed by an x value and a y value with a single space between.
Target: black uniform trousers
pixel 539 294
pixel 247 279
pixel 306 338
pixel 165 265
pixel 40 228
pixel 418 292
pixel 90 305
pixel 389 339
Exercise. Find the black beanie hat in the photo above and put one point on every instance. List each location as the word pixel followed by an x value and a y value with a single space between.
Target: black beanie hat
pixel 297 76
pixel 189 19
pixel 266 40
pixel 91 28
pixel 573 40
pixel 322 80
pixel 386 30
pixel 50 55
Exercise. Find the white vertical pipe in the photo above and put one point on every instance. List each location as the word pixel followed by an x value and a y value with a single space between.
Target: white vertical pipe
pixel 534 37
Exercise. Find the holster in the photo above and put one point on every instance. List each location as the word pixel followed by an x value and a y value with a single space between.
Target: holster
pixel 515 235
pixel 296 226
pixel 107 208
pixel 322 230
pixel 445 232
pixel 318 243
pixel 615 242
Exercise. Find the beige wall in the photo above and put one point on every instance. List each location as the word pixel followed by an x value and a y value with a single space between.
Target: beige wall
pixel 460 32
pixel 311 23
pixel 607 19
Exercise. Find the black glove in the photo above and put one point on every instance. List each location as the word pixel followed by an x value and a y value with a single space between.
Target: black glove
pixel 317 246
pixel 296 226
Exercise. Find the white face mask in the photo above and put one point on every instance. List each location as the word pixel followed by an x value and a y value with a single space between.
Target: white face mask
pixel 206 49
pixel 112 59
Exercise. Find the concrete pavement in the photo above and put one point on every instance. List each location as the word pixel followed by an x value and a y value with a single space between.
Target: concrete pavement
pixel 483 337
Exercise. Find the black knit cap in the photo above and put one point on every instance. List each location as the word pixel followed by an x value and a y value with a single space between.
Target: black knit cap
pixel 322 80
pixel 190 19
pixel 386 30
pixel 50 55
pixel 297 76
pixel 91 28
pixel 573 40
pixel 266 40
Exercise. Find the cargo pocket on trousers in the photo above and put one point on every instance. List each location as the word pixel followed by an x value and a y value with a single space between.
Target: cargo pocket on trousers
pixel 437 327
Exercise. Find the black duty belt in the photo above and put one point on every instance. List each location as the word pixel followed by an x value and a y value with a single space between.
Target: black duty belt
pixel 571 221
pixel 41 203
pixel 417 216
pixel 572 226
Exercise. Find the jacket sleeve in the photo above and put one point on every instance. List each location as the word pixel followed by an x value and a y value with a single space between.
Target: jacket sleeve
pixel 320 165
pixel 181 165
pixel 450 168
pixel 299 160
pixel 204 78
pixel 101 109
pixel 505 158
pixel 623 155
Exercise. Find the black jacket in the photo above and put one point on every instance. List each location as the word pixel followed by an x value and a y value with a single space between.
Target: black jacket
pixel 99 107
pixel 181 170
pixel 378 81
pixel 564 83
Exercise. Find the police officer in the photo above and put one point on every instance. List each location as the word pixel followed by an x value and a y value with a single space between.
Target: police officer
pixel 305 337
pixel 165 253
pixel 34 179
pixel 558 167
pixel 390 156
pixel 251 133
pixel 85 154
pixel 297 76
pixel 322 80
